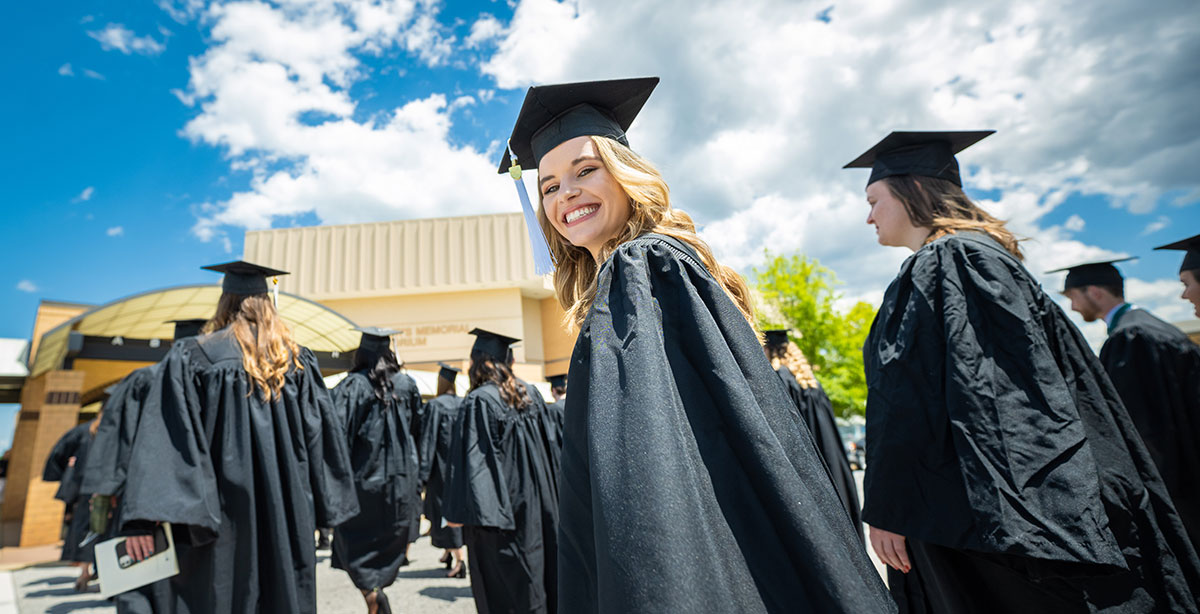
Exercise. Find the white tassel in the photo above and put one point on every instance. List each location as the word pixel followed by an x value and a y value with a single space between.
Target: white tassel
pixel 543 262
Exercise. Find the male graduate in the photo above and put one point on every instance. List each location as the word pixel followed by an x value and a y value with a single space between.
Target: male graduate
pixel 1189 271
pixel 1156 370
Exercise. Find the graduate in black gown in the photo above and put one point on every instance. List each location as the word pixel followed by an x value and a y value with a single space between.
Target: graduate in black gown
pixel 816 411
pixel 501 486
pixel 410 405
pixel 1189 270
pixel 372 545
pixel 65 465
pixel 688 484
pixel 1003 472
pixel 1156 369
pixel 240 449
pixel 108 464
pixel 557 407
pixel 441 413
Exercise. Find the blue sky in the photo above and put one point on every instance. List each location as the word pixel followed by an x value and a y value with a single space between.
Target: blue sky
pixel 144 138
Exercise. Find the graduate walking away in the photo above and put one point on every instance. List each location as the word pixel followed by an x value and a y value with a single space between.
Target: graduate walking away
pixel 437 433
pixel 372 545
pixel 108 465
pixel 816 411
pixel 410 406
pixel 239 448
pixel 688 484
pixel 1156 369
pixel 501 487
pixel 1003 472
pixel 65 465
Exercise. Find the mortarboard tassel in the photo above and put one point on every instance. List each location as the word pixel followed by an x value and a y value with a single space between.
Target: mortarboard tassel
pixel 543 262
pixel 275 290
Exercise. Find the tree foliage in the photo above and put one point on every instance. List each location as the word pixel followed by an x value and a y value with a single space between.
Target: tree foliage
pixel 796 292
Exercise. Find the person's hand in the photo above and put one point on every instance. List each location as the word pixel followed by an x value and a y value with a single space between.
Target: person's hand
pixel 71 462
pixel 139 546
pixel 891 549
pixel 454 525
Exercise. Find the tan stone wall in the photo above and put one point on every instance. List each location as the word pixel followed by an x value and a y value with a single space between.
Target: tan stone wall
pixel 49 315
pixel 557 343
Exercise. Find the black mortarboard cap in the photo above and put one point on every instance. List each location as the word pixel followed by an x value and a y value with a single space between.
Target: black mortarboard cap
pixel 187 328
pixel 928 154
pixel 777 337
pixel 492 344
pixel 243 277
pixel 1191 249
pixel 554 114
pixel 375 338
pixel 558 381
pixel 447 372
pixel 1101 273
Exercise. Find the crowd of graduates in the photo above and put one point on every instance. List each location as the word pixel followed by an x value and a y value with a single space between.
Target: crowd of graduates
pixel 695 464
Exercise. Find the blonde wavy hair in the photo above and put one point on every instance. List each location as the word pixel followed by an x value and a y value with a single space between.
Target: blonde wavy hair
pixel 268 351
pixel 791 357
pixel 944 208
pixel 650 201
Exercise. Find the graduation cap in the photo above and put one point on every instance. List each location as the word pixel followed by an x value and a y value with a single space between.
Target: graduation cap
pixel 558 381
pixel 554 114
pixel 928 154
pixel 243 277
pixel 1101 273
pixel 375 338
pixel 492 344
pixel 1191 249
pixel 777 337
pixel 447 372
pixel 187 328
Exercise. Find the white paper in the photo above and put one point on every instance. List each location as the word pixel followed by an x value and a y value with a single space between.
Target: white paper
pixel 115 579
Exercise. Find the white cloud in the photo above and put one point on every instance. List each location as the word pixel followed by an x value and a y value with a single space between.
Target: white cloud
pixel 181 10
pixel 117 36
pixel 1074 224
pixel 269 66
pixel 115 231
pixel 65 70
pixel 760 106
pixel 485 30
pixel 1157 225
pixel 85 195
pixel 26 286
pixel 91 74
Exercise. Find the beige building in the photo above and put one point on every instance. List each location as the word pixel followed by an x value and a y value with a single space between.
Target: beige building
pixel 432 279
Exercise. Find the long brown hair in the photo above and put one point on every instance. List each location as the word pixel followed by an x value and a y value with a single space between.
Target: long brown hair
pixel 650 201
pixel 485 369
pixel 791 357
pixel 944 208
pixel 268 351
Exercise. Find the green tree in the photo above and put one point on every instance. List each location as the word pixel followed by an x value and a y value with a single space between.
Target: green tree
pixel 799 293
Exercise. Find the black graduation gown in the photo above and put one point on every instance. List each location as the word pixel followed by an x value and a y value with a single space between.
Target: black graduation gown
pixel 502 487
pixel 245 481
pixel 76 442
pixel 441 412
pixel 688 483
pixel 998 447
pixel 408 396
pixel 1156 370
pixel 108 464
pixel 556 415
pixel 371 545
pixel 817 412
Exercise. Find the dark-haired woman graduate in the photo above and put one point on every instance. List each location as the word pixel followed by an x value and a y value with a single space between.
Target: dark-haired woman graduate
pixel 66 465
pixel 372 545
pixel 1003 472
pixel 441 413
pixel 108 464
pixel 817 413
pixel 240 450
pixel 688 484
pixel 501 487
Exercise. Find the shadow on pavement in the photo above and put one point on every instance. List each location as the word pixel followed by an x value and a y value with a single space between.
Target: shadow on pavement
pixel 63 608
pixel 446 593
pixel 58 580
pixel 55 592
pixel 436 572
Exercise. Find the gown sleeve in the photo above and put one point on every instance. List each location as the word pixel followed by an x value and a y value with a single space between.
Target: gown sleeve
pixel 60 455
pixel 330 472
pixel 476 490
pixel 171 476
pixel 974 438
pixel 430 426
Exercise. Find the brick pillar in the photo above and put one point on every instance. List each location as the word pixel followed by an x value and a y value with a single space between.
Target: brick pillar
pixel 49 408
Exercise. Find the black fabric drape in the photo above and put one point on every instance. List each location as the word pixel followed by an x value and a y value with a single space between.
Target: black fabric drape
pixel 436 435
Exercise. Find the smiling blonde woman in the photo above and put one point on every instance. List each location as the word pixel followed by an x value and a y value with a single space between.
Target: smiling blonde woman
pixel 687 483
